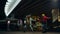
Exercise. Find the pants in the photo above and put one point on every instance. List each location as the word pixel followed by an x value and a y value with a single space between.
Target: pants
pixel 44 26
pixel 31 27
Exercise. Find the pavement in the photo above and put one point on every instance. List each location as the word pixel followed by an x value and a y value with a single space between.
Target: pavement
pixel 28 33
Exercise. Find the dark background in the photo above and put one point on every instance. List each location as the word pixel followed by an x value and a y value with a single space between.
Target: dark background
pixel 25 7
pixel 33 7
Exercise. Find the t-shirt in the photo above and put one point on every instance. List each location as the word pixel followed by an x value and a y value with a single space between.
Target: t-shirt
pixel 45 18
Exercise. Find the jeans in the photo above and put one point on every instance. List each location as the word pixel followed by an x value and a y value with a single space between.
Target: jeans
pixel 44 26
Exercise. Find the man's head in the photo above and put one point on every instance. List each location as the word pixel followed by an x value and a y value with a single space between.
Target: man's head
pixel 43 14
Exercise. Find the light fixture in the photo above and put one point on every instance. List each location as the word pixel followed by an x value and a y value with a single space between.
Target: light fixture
pixel 10 5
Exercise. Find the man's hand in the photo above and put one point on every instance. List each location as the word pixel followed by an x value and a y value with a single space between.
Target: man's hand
pixel 49 17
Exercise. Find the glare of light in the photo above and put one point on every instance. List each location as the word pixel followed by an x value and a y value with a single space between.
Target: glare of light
pixel 11 0
pixel 55 0
pixel 10 5
pixel 7 3
pixel 8 22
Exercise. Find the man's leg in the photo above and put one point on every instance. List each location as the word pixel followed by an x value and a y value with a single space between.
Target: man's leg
pixel 44 28
pixel 31 27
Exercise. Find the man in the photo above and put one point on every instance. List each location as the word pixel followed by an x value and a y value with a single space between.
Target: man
pixel 8 25
pixel 25 26
pixel 44 22
pixel 29 20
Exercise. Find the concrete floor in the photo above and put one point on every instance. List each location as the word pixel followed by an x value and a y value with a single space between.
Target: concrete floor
pixel 28 33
